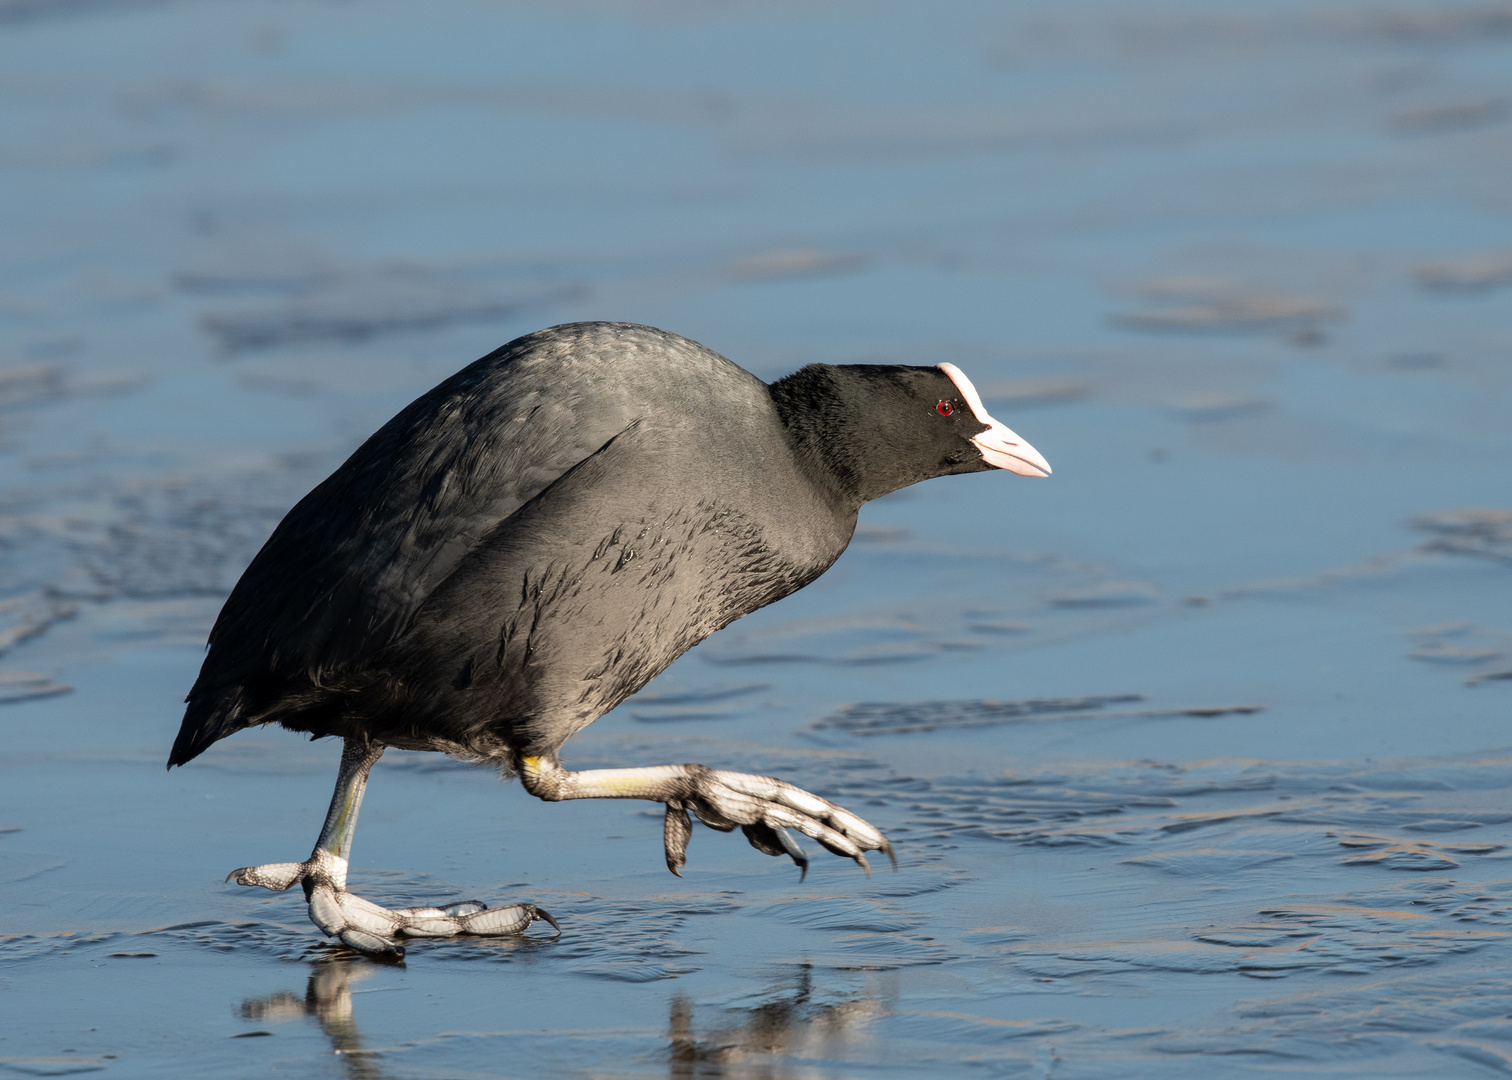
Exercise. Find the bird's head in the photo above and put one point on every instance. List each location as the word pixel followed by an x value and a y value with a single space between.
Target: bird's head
pixel 880 427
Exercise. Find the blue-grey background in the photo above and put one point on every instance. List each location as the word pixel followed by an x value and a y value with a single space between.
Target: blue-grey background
pixel 1242 271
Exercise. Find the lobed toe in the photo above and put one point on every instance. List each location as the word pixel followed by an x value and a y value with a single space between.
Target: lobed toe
pixel 366 915
pixel 275 876
pixel 372 945
pixel 496 921
pixel 325 911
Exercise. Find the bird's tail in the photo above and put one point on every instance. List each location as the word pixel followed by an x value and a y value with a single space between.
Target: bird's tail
pixel 210 717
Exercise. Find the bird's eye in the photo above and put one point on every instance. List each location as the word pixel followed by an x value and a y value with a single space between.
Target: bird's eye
pixel 945 408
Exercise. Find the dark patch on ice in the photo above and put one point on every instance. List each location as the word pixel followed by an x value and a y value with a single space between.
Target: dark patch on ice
pixel 798 262
pixel 1471 273
pixel 1235 315
pixel 360 306
pixel 52 1066
pixel 1447 116
pixel 1465 644
pixel 1408 855
pixel 1469 530
pixel 25 386
pixel 1205 862
pixel 29 384
pixel 1106 594
pixel 845 641
pixel 1000 626
pixel 902 718
pixel 874 717
pixel 19 686
pixel 711 703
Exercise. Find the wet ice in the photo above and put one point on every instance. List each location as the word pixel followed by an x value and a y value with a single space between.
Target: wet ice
pixel 1241 273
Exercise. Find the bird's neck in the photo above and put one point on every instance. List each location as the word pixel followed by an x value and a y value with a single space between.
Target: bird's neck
pixel 822 416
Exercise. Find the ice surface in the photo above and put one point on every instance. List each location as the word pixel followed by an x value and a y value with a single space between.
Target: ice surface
pixel 1195 755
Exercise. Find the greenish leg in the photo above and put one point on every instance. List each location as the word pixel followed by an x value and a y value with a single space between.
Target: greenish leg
pixel 333 851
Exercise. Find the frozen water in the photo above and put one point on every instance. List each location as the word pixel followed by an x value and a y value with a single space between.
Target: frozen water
pixel 1195 755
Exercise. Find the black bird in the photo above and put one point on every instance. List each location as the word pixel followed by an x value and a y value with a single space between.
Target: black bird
pixel 528 544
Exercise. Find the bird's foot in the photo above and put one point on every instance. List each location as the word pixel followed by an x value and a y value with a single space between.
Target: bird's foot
pixel 765 808
pixel 370 928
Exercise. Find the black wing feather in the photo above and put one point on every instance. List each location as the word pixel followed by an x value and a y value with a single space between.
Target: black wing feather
pixel 346 569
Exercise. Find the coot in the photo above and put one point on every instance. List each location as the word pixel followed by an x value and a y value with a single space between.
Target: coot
pixel 529 543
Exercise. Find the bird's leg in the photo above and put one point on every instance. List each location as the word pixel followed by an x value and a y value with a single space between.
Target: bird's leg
pixel 363 925
pixel 765 808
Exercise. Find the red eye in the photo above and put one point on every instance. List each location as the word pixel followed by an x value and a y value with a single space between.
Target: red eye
pixel 944 408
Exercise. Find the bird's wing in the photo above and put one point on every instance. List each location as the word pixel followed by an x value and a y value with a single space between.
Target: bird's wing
pixel 599 583
pixel 348 566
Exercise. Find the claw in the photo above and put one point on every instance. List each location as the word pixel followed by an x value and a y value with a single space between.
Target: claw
pixel 538 915
pixel 887 849
pixel 676 831
pixel 794 852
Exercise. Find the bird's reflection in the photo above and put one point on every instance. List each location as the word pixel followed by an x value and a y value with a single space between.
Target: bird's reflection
pixel 328 1000
pixel 792 1024
pixel 771 1041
